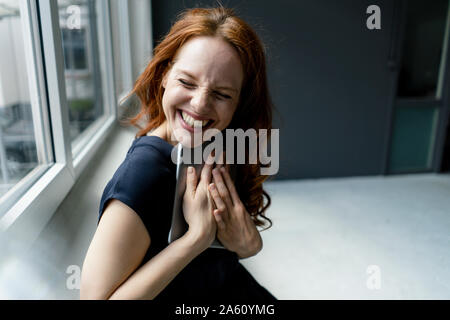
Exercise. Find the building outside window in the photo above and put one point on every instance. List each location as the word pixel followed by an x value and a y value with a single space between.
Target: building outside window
pixel 78 23
pixel 57 103
pixel 18 154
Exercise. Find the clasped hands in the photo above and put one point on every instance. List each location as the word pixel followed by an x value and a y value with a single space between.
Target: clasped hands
pixel 235 229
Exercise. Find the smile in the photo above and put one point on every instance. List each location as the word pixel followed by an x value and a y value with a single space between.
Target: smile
pixel 192 122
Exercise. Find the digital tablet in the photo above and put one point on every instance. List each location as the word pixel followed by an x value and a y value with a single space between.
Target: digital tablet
pixel 179 226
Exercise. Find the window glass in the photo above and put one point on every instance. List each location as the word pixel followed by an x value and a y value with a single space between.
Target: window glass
pixel 413 139
pixel 74 42
pixel 18 155
pixel 83 76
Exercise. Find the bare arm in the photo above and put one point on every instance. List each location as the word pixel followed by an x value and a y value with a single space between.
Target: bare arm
pixel 121 241
pixel 117 249
pixel 149 280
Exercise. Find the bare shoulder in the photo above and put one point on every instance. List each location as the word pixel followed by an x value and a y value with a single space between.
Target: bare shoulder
pixel 116 250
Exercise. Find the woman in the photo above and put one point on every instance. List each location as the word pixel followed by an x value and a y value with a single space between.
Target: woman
pixel 208 71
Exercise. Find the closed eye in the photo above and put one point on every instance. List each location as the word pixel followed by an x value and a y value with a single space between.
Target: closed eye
pixel 191 86
pixel 223 95
pixel 185 83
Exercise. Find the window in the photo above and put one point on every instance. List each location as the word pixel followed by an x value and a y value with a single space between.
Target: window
pixel 17 143
pixel 81 42
pixel 57 104
pixel 418 104
pixel 74 45
pixel 23 153
pixel 421 68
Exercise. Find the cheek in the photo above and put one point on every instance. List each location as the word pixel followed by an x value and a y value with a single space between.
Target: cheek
pixel 170 100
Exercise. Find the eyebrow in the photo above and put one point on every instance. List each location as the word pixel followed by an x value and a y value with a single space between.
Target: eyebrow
pixel 193 77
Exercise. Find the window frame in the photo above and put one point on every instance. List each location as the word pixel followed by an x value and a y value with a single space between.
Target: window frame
pixel 125 48
pixel 27 213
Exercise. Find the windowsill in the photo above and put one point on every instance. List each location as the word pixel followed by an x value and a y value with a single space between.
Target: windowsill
pixel 65 238
pixel 27 218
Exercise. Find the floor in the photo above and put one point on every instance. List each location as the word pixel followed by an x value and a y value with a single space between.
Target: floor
pixel 352 238
pixel 358 238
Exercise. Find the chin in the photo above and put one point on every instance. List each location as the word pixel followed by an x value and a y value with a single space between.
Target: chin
pixel 186 138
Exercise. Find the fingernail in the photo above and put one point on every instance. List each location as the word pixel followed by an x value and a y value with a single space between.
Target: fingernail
pixel 190 169
pixel 212 186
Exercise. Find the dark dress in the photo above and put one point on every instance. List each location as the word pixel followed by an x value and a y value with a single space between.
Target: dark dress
pixel 145 181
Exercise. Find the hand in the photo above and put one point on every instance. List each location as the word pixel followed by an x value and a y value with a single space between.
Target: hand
pixel 198 207
pixel 235 228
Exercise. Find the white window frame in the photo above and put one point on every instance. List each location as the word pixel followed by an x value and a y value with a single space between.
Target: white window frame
pixel 125 47
pixel 130 36
pixel 39 199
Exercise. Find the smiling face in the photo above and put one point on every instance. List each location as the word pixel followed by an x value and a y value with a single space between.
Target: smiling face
pixel 202 88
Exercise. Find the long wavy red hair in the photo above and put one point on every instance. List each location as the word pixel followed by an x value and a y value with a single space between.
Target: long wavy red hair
pixel 254 109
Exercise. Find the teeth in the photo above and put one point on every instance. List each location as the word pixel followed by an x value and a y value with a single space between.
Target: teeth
pixel 192 122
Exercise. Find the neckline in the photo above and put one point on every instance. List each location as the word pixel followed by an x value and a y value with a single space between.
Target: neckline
pixel 158 138
pixel 164 146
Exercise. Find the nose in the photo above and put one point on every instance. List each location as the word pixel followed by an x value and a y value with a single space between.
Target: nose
pixel 200 101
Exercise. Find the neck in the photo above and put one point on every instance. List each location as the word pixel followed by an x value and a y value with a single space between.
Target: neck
pixel 163 131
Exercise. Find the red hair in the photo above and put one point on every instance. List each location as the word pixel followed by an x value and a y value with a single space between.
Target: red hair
pixel 254 109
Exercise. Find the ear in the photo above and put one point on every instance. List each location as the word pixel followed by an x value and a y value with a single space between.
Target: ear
pixel 166 75
pixel 164 80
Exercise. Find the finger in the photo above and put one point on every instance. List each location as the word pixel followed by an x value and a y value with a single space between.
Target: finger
pixel 220 160
pixel 205 176
pixel 230 185
pixel 222 188
pixel 220 157
pixel 220 205
pixel 206 170
pixel 211 158
pixel 191 181
pixel 221 225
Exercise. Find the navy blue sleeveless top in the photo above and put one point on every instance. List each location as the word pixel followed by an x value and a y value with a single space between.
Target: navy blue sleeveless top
pixel 145 181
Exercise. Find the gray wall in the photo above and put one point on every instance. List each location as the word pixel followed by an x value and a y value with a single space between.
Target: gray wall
pixel 328 77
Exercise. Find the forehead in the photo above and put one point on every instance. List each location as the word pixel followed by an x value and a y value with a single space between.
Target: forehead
pixel 210 59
